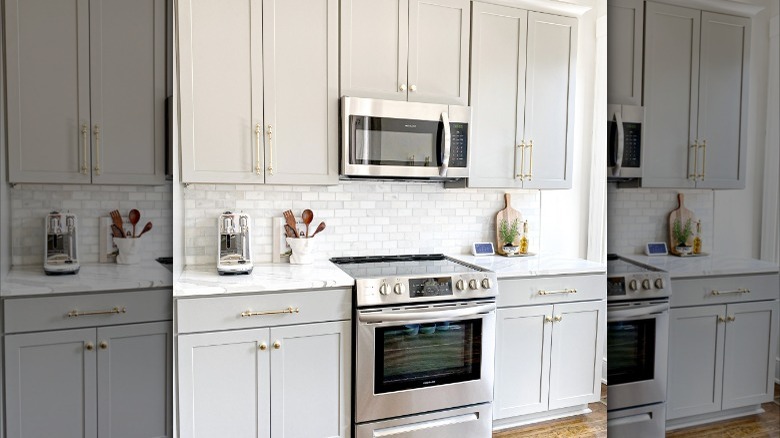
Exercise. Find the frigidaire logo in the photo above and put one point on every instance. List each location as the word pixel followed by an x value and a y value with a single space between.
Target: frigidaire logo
pixel 410 126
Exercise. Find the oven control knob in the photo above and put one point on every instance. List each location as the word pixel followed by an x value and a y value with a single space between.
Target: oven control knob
pixel 383 289
pixel 398 288
pixel 631 285
pixel 659 283
pixel 473 284
pixel 486 283
pixel 460 284
pixel 646 284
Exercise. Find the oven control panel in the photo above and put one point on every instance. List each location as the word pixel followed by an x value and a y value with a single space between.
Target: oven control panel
pixel 637 286
pixel 430 287
pixel 396 290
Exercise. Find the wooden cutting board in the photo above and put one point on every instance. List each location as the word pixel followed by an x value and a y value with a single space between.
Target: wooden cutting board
pixel 683 214
pixel 510 214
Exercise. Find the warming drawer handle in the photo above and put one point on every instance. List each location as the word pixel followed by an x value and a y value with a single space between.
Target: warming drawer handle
pixel 289 310
pixel 633 419
pixel 115 311
pixel 740 291
pixel 553 292
pixel 406 429
pixel 425 316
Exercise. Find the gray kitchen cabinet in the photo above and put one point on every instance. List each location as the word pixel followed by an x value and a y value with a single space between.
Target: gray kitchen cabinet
pixel 415 50
pixel 522 98
pixel 695 96
pixel 263 382
pixel 86 91
pixel 265 111
pixel 624 46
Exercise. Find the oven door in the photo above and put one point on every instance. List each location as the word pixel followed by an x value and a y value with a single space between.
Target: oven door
pixel 422 358
pixel 637 345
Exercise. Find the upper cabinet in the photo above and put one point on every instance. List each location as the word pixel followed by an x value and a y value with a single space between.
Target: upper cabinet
pixel 695 96
pixel 522 98
pixel 624 45
pixel 415 50
pixel 86 91
pixel 266 110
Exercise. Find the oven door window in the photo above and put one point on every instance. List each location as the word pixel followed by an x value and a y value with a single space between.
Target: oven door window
pixel 631 351
pixel 385 141
pixel 423 355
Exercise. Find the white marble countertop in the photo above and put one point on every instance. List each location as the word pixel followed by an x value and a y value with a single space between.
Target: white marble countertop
pixel 533 266
pixel 704 266
pixel 92 277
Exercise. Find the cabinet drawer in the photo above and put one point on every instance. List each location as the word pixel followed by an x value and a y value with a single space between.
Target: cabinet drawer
pixel 225 313
pixel 543 290
pixel 52 312
pixel 699 291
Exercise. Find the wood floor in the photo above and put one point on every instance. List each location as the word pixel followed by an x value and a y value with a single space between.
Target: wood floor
pixel 594 425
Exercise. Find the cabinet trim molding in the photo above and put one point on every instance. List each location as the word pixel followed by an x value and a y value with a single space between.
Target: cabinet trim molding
pixel 544 6
pixel 722 6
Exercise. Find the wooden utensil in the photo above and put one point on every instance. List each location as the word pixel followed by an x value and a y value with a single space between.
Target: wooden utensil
pixel 289 231
pixel 320 227
pixel 147 227
pixel 308 216
pixel 289 217
pixel 134 216
pixel 117 218
pixel 116 232
pixel 510 215
pixel 683 214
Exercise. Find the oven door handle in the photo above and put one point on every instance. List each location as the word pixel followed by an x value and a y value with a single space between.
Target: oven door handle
pixel 618 315
pixel 445 159
pixel 435 315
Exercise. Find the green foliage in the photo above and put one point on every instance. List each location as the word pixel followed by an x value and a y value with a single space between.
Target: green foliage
pixel 508 233
pixel 682 233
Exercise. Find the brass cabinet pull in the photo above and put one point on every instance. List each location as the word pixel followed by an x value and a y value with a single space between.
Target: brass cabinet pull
pixel 115 311
pixel 89 346
pixel 413 88
pixel 739 291
pixel 85 148
pixel 263 346
pixel 277 345
pixel 721 319
pixel 270 150
pixel 695 148
pixel 703 146
pixel 548 319
pixel 731 318
pixel 558 318
pixel 530 160
pixel 290 310
pixel 521 146
pixel 103 345
pixel 554 292
pixel 402 87
pixel 258 131
pixel 97 149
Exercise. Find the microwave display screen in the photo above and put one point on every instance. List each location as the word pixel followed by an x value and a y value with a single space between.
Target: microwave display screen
pixel 395 142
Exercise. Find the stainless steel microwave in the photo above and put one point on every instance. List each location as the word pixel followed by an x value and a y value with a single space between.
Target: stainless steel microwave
pixel 624 147
pixel 393 139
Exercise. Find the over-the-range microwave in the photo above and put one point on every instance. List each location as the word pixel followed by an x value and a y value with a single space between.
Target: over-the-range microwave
pixel 624 147
pixel 406 140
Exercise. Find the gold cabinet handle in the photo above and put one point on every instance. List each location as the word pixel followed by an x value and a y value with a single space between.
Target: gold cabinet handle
pixel 270 133
pixel 97 150
pixel 521 146
pixel 548 319
pixel 263 346
pixel 115 311
pixel 530 160
pixel 413 88
pixel 558 318
pixel 258 131
pixel 554 292
pixel 703 146
pixel 103 345
pixel 739 291
pixel 695 148
pixel 290 310
pixel 731 318
pixel 402 87
pixel 277 345
pixel 89 346
pixel 85 148
pixel 721 319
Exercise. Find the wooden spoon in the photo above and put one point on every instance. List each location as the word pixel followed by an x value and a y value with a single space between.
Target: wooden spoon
pixel 320 227
pixel 308 216
pixel 147 227
pixel 134 216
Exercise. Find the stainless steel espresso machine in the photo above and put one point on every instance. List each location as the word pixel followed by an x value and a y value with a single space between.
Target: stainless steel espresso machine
pixel 235 246
pixel 62 255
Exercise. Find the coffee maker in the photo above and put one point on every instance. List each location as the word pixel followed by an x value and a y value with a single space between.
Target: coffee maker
pixel 62 255
pixel 235 249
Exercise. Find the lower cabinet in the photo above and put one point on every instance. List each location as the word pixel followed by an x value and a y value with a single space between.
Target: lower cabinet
pixel 721 357
pixel 548 357
pixel 90 382
pixel 287 381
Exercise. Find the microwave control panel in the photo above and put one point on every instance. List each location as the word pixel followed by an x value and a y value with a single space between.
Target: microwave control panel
pixel 459 146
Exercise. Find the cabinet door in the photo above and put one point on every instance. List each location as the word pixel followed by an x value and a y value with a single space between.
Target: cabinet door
pixel 549 101
pixel 670 96
pixel 134 381
pixel 47 55
pixel 497 85
pixel 301 103
pixel 311 367
pixel 374 48
pixel 223 384
pixel 127 84
pixel 577 352
pixel 723 90
pixel 522 384
pixel 749 353
pixel 624 51
pixel 220 53
pixel 51 386
pixel 439 51
pixel 695 370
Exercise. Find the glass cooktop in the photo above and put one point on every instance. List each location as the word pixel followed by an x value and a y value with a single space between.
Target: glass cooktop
pixel 401 265
pixel 618 266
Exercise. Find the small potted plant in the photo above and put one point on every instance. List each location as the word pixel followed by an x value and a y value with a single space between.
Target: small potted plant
pixel 681 233
pixel 508 233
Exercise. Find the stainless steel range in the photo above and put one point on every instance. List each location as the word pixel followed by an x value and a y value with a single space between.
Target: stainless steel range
pixel 424 340
pixel 637 344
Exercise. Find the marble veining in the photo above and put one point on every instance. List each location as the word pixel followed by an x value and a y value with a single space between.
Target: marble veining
pixel 704 266
pixel 92 277
pixel 534 266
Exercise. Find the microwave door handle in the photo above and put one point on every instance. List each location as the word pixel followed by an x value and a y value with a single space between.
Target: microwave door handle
pixel 621 144
pixel 437 315
pixel 445 160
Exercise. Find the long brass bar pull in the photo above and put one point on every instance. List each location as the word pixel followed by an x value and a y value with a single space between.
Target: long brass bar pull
pixel 703 146
pixel 85 148
pixel 521 147
pixel 555 292
pixel 270 133
pixel 97 150
pixel 114 311
pixel 695 148
pixel 290 310
pixel 530 160
pixel 258 131
pixel 739 291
